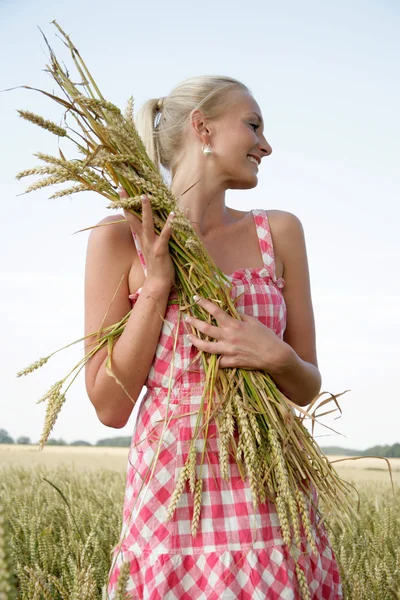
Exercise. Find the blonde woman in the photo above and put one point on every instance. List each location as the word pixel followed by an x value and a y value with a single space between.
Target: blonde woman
pixel 208 130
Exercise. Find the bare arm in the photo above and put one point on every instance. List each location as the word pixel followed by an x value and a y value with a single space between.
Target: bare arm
pixel 248 344
pixel 297 374
pixel 111 255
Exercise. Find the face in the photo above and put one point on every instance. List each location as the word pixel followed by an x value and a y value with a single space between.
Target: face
pixel 238 143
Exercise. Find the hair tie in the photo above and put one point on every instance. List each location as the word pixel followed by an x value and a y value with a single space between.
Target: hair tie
pixel 160 103
pixel 159 108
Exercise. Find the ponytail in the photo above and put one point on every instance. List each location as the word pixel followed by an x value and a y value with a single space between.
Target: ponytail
pixel 145 124
pixel 161 122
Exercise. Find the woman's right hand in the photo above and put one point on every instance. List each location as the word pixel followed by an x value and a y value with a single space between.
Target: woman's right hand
pixel 155 247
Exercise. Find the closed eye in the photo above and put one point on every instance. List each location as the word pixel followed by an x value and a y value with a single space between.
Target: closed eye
pixel 255 126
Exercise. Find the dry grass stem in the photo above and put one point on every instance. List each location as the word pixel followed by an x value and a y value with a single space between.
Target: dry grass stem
pixel 274 449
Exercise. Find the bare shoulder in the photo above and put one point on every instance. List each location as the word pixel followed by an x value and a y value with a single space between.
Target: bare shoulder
pixel 283 222
pixel 290 246
pixel 111 248
pixel 287 237
pixel 112 237
pixel 113 228
pixel 286 231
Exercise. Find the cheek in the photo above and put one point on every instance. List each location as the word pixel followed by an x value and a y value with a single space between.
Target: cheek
pixel 235 141
pixel 234 149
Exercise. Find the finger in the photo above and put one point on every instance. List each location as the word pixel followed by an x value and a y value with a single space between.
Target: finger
pixel 227 362
pixel 205 328
pixel 209 347
pixel 220 315
pixel 133 222
pixel 247 318
pixel 122 192
pixel 167 229
pixel 147 219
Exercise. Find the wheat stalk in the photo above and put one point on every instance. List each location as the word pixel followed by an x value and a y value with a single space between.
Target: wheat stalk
pixel 111 153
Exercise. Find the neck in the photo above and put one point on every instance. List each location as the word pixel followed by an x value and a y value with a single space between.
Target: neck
pixel 204 203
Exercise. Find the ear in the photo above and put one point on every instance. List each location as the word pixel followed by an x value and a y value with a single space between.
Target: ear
pixel 201 126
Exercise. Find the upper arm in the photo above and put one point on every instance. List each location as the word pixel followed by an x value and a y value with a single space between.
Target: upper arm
pixel 300 326
pixel 110 255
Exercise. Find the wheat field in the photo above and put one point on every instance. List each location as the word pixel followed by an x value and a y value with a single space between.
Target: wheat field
pixel 60 514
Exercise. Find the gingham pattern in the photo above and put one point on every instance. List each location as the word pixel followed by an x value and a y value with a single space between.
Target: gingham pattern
pixel 260 296
pixel 238 553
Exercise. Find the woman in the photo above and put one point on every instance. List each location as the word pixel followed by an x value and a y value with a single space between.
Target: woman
pixel 209 130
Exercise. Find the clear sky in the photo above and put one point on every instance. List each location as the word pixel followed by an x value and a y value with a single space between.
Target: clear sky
pixel 326 78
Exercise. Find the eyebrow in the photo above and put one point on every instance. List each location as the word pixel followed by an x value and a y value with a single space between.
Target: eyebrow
pixel 258 117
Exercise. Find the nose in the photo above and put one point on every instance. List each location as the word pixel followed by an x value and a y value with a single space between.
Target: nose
pixel 265 147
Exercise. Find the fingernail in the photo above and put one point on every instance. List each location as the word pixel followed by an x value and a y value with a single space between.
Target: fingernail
pixel 186 318
pixel 196 298
pixel 143 199
pixel 171 214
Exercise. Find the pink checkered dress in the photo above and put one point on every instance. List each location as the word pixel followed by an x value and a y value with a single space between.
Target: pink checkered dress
pixel 238 552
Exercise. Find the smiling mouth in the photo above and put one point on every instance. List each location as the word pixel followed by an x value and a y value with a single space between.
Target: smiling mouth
pixel 252 160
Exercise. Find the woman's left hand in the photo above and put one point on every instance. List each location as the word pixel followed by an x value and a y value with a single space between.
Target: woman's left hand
pixel 246 344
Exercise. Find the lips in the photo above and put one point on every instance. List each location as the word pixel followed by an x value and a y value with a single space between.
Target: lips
pixel 257 159
pixel 253 159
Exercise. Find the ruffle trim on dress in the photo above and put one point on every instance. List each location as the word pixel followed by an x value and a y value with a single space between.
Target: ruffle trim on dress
pixel 243 275
pixel 230 574
pixel 258 273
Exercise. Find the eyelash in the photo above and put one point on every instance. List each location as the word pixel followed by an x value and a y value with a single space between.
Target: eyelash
pixel 255 126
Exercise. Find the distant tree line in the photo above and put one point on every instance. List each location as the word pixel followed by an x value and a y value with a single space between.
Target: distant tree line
pixel 389 451
pixel 5 438
pixel 392 451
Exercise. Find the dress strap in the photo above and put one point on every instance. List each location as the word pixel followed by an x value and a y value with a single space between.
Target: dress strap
pixel 140 253
pixel 266 244
pixel 264 237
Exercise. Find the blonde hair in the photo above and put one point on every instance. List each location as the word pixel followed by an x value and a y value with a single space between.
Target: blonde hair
pixel 161 122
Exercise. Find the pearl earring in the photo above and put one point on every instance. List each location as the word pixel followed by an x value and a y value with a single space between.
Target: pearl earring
pixel 206 149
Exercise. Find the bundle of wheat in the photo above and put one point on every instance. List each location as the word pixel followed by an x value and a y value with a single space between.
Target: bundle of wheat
pixel 273 448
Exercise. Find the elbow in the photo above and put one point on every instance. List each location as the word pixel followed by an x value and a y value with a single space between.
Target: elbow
pixel 313 393
pixel 111 411
pixel 112 419
pixel 303 403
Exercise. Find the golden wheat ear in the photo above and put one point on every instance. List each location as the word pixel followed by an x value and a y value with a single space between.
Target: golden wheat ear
pixel 275 453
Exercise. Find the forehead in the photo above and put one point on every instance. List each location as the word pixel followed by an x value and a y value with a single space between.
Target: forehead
pixel 242 102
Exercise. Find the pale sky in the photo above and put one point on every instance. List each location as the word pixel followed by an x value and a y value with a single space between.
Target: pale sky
pixel 326 78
